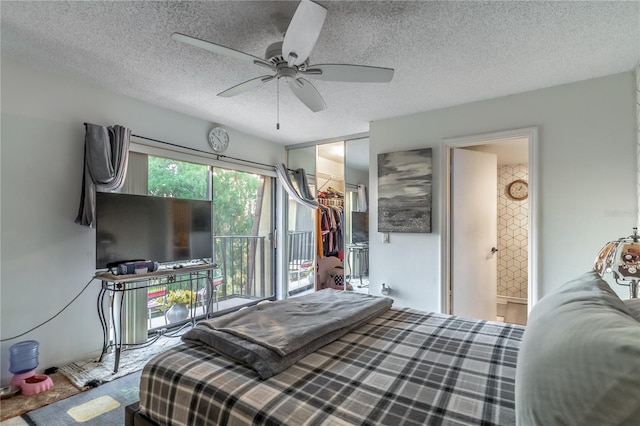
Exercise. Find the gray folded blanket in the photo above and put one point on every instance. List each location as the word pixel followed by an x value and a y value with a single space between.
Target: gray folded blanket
pixel 271 337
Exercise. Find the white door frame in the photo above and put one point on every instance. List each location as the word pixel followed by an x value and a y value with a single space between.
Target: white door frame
pixel 531 133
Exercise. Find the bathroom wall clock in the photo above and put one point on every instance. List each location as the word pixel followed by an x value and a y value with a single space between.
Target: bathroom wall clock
pixel 518 189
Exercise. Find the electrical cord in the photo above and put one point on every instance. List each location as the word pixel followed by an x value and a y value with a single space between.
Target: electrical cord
pixel 50 319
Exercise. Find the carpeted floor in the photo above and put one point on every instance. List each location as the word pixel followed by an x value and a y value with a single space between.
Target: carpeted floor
pixel 103 405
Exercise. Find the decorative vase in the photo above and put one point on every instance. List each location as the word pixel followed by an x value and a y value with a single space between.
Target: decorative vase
pixel 177 312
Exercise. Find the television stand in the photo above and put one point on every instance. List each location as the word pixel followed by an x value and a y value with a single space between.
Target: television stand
pixel 112 284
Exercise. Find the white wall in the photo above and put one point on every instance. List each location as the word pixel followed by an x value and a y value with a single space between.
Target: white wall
pixel 46 258
pixel 586 169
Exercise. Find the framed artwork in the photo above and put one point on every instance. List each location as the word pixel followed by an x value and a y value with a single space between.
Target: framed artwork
pixel 404 191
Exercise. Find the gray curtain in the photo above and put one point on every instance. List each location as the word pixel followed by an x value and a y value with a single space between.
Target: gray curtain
pixel 106 154
pixel 303 197
pixel 137 180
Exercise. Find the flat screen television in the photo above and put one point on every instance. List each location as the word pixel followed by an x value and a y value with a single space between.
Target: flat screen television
pixel 138 227
pixel 359 227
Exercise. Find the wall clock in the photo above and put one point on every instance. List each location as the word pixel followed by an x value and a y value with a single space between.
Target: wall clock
pixel 518 189
pixel 218 140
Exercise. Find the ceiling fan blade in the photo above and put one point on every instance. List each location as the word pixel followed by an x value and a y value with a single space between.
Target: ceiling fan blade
pixel 308 94
pixel 349 73
pixel 303 32
pixel 221 50
pixel 246 86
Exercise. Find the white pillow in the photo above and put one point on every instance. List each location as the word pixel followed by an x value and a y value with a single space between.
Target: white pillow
pixel 579 361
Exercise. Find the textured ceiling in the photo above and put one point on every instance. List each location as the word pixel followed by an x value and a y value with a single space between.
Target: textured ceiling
pixel 444 54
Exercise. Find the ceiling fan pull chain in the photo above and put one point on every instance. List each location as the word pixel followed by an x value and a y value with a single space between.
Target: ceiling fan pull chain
pixel 278 105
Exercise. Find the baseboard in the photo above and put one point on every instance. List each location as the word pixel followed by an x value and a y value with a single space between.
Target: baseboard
pixel 505 299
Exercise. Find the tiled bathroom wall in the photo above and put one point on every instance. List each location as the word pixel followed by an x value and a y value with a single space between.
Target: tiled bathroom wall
pixel 513 219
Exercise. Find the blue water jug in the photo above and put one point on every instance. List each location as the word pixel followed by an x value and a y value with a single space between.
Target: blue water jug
pixel 23 356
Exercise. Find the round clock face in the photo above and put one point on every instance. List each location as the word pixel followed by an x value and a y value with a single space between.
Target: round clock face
pixel 518 189
pixel 218 139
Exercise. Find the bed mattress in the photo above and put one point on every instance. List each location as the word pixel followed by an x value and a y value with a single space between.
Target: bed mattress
pixel 404 367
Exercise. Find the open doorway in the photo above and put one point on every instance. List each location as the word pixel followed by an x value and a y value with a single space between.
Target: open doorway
pixel 512 252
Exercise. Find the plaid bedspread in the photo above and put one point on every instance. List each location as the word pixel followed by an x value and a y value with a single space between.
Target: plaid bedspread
pixel 406 367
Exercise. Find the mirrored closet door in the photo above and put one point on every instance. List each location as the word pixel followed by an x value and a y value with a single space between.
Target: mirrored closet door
pixel 357 216
pixel 328 246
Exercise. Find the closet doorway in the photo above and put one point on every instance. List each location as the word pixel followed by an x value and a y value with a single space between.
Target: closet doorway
pixel 510 289
pixel 338 174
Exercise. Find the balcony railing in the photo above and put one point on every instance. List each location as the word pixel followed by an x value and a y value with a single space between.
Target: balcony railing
pixel 301 256
pixel 242 263
pixel 301 249
pixel 240 279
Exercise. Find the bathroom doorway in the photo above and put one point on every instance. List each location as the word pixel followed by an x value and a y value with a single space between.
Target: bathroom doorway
pixel 511 251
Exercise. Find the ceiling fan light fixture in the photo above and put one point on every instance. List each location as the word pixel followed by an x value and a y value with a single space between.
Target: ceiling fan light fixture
pixel 291 60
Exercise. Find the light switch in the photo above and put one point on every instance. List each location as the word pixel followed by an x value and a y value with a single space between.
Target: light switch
pixel 385 237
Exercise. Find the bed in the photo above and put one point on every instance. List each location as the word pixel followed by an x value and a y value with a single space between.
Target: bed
pixel 397 366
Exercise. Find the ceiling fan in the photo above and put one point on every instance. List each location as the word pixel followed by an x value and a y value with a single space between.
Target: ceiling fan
pixel 289 59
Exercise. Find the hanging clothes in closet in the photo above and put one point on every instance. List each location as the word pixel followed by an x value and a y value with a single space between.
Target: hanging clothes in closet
pixel 331 226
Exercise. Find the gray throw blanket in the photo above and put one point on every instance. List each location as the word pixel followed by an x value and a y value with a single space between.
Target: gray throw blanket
pixel 106 155
pixel 287 325
pixel 271 337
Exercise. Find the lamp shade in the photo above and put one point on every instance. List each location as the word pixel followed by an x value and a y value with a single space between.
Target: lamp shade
pixel 621 258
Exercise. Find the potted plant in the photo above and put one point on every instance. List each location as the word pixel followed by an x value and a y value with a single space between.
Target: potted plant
pixel 179 301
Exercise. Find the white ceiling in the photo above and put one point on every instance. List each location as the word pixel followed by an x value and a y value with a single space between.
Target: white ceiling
pixel 444 54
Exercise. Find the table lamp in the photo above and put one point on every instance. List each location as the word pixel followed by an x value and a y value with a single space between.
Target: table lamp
pixel 621 258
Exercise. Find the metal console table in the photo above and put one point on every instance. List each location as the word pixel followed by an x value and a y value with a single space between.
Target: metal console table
pixel 122 283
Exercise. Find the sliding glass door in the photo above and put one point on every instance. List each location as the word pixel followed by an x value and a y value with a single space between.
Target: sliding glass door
pixel 243 217
pixel 242 226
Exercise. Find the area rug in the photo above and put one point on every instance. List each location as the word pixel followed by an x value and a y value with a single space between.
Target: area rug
pixel 99 406
pixel 92 372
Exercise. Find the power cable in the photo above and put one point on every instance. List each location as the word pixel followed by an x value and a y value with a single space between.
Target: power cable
pixel 50 319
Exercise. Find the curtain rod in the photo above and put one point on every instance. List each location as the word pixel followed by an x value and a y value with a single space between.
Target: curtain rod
pixel 218 156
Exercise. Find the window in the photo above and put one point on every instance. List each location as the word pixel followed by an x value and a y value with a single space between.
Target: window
pixel 177 179
pixel 242 223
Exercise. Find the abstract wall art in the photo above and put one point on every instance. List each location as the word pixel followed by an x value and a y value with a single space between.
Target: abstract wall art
pixel 404 191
